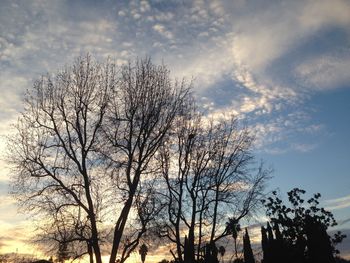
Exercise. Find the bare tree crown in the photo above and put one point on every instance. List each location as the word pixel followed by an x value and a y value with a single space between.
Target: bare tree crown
pixel 84 141
pixel 104 153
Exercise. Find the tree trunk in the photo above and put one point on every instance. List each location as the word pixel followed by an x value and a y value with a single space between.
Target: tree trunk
pixel 91 214
pixel 235 241
pixel 191 232
pixel 90 252
pixel 215 215
pixel 119 228
pixel 120 225
pixel 96 246
pixel 199 235
pixel 178 241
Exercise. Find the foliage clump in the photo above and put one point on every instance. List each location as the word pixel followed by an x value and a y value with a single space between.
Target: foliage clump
pixel 298 232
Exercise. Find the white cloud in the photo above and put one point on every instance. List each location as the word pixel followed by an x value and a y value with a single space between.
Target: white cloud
pixel 164 16
pixel 121 13
pixel 303 147
pixel 211 41
pixel 144 6
pixel 271 33
pixel 265 94
pixel 217 7
pixel 324 13
pixel 206 69
pixel 325 72
pixel 11 86
pixel 159 28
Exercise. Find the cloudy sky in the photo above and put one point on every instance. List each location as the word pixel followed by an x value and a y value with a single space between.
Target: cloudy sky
pixel 282 66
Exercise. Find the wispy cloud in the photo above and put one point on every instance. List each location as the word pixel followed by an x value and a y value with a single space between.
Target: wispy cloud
pixel 260 56
pixel 344 221
pixel 325 72
pixel 338 203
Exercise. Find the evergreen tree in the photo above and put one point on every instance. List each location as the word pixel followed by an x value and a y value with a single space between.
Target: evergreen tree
pixel 247 249
pixel 318 242
pixel 265 245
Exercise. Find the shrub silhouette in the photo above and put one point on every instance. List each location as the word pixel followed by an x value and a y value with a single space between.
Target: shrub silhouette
pixel 298 233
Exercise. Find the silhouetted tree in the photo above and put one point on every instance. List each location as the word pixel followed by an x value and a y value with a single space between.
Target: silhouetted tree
pixel 87 140
pixel 67 234
pixel 222 251
pixel 211 253
pixel 207 169
pixel 187 252
pixel 319 247
pixel 265 245
pixel 63 253
pixel 143 252
pixel 247 249
pixel 274 247
pixel 299 230
pixel 233 228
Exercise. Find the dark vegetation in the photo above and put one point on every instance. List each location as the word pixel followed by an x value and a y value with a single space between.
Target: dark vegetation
pixel 294 234
pixel 298 233
pixel 107 158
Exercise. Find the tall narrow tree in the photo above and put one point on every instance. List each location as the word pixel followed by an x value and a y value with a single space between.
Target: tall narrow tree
pixel 247 248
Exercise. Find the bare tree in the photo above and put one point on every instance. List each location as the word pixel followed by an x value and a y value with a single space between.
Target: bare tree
pixel 54 151
pixel 208 175
pixel 65 233
pixel 147 206
pixel 86 140
pixel 141 115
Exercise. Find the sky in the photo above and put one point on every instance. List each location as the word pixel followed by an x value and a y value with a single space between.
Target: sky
pixel 282 66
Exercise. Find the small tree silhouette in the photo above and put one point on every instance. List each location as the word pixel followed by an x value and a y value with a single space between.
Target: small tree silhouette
pixel 143 252
pixel 63 253
pixel 247 249
pixel 299 230
pixel 233 227
pixel 222 251
pixel 318 242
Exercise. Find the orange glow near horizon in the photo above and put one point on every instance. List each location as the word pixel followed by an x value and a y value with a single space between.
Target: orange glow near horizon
pixel 23 248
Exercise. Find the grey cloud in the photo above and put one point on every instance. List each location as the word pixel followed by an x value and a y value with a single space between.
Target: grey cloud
pixel 344 221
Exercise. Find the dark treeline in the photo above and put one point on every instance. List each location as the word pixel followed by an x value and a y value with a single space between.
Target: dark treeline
pixel 295 234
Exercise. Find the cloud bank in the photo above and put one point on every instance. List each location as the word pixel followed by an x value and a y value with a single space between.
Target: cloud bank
pixel 267 65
